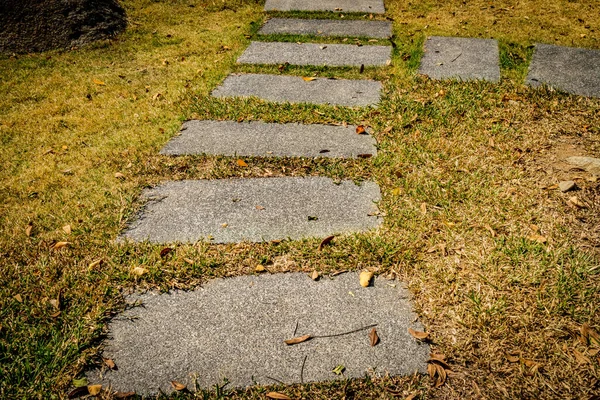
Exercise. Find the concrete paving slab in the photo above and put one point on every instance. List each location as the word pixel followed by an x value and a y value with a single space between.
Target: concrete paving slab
pixel 254 209
pixel 331 55
pixel 294 89
pixel 461 58
pixel 327 27
pixel 257 138
pixel 235 329
pixel 362 6
pixel 570 69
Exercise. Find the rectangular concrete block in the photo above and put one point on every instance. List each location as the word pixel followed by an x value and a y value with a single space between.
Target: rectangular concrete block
pixel 572 70
pixel 235 329
pixel 359 6
pixel 294 89
pixel 331 55
pixel 461 58
pixel 257 138
pixel 254 210
pixel 327 27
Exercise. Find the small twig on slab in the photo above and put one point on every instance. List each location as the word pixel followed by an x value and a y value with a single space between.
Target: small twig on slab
pixel 346 333
pixel 456 58
pixel 338 273
pixel 295 329
pixel 302 369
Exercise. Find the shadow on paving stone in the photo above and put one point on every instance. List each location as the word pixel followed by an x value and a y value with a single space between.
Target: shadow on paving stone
pixel 234 329
pixel 572 70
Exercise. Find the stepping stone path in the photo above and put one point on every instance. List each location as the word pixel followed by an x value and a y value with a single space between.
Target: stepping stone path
pixel 255 210
pixel 327 27
pixel 295 89
pixel 257 138
pixel 461 58
pixel 359 6
pixel 569 69
pixel 333 55
pixel 235 329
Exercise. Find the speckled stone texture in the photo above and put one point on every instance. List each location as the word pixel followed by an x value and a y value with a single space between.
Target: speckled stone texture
pixel 235 329
pixel 294 89
pixel 331 55
pixel 362 6
pixel 327 27
pixel 254 209
pixel 572 70
pixel 461 58
pixel 256 138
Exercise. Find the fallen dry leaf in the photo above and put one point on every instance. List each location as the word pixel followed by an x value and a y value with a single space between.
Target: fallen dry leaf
pixel 537 238
pixel 512 358
pixel 139 271
pixel 589 335
pixel 365 278
pixel 277 396
pixel 581 359
pixel 259 207
pixel 178 386
pixel 109 363
pixel 373 337
pixel 297 340
pixel 325 242
pixel 260 268
pixel 315 275
pixel 95 264
pixel 67 229
pixel 119 175
pixel 59 245
pixel 78 392
pixel 98 82
pixel 241 163
pixel 424 208
pixel 576 202
pixel 309 78
pixel 360 130
pixel 94 389
pixel 165 251
pixel 418 334
pixel 123 395
pixel 18 298
pixel 29 229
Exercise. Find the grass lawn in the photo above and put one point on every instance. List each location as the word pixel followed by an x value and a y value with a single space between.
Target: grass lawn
pixel 504 268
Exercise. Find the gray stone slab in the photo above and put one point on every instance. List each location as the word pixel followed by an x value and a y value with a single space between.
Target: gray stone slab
pixel 294 89
pixel 590 164
pixel 569 69
pixel 461 58
pixel 254 209
pixel 234 329
pixel 331 55
pixel 327 27
pixel 362 6
pixel 257 138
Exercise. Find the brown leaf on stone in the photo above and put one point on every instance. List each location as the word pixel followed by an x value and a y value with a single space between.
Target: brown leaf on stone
pixel 365 278
pixel 277 396
pixel 94 389
pixel 178 386
pixel 309 78
pixel 315 275
pixel 373 337
pixel 28 229
pixel 325 242
pixel 241 163
pixel 360 130
pixel 418 334
pixel 109 363
pixel 297 340
pixel 259 207
pixel 165 251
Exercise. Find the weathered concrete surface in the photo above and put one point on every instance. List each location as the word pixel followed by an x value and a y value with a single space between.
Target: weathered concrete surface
pixel 331 55
pixel 234 328
pixel 569 69
pixel 368 6
pixel 254 209
pixel 461 58
pixel 590 164
pixel 327 27
pixel 257 138
pixel 294 89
